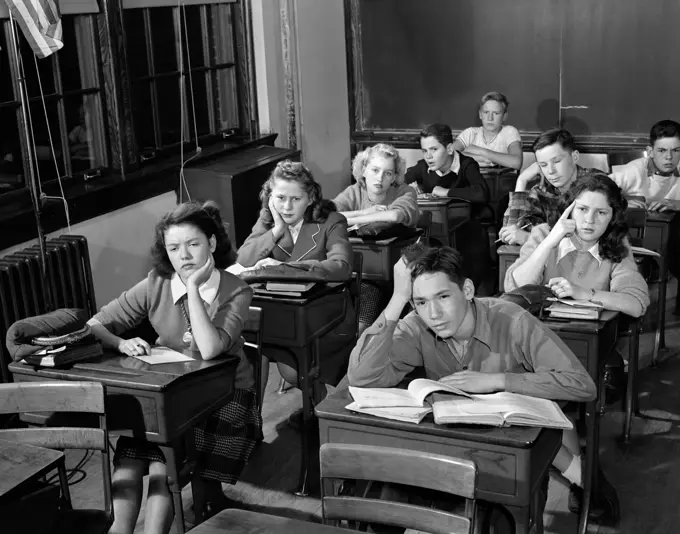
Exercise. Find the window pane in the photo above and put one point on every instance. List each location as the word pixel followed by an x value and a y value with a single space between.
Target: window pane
pixel 200 105
pixel 6 82
pixel 43 150
pixel 85 133
pixel 11 166
pixel 45 70
pixel 226 98
pixel 222 45
pixel 168 105
pixel 135 40
pixel 143 115
pixel 193 34
pixel 68 58
pixel 163 35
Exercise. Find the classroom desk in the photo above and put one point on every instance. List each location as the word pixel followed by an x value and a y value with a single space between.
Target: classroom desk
pixel 297 323
pixel 21 463
pixel 512 462
pixel 159 403
pixel 591 342
pixel 507 254
pixel 657 233
pixel 448 214
pixel 380 256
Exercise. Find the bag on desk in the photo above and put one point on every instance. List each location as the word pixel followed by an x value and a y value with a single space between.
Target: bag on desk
pixel 292 272
pixel 54 339
pixel 379 231
pixel 531 297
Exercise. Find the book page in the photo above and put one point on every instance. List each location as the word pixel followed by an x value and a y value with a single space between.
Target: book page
pixel 422 387
pixel 383 397
pixel 453 411
pixel 163 355
pixel 526 410
pixel 236 269
pixel 577 303
pixel 403 413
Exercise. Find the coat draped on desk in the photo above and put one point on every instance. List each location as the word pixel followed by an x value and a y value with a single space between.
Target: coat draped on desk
pixel 323 244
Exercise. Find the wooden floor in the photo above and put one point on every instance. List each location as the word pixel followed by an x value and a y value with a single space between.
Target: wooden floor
pixel 646 473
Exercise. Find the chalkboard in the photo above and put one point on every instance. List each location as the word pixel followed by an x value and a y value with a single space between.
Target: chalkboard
pixel 604 69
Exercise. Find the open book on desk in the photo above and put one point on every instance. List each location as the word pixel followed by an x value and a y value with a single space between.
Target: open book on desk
pixel 500 409
pixel 399 404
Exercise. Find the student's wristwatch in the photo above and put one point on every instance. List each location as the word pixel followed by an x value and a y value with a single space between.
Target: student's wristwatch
pixel 592 295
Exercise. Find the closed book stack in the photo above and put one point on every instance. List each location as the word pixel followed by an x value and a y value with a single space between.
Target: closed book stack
pixel 290 287
pixel 575 309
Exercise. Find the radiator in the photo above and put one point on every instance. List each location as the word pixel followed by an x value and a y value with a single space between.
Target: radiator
pixel 69 275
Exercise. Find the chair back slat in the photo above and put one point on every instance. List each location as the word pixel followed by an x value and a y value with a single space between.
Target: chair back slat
pixel 358 277
pixel 54 396
pixel 394 513
pixel 58 437
pixel 399 466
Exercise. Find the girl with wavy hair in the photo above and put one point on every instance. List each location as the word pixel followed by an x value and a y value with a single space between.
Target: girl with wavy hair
pixel 582 251
pixel 297 225
pixel 197 308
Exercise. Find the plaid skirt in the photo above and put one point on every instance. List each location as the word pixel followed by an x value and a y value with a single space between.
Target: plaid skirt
pixel 222 443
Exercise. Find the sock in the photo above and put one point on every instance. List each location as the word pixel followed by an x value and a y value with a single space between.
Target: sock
pixel 573 472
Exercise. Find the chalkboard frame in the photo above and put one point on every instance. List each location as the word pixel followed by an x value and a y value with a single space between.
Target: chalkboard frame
pixel 409 138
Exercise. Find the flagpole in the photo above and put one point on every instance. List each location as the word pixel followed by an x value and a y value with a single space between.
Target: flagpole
pixel 33 185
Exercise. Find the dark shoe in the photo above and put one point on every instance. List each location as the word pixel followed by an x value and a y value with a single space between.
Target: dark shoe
pixel 605 510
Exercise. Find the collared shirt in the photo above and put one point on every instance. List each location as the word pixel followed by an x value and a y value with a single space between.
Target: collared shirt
pixel 520 204
pixel 455 165
pixel 506 339
pixel 295 230
pixel 208 290
pixel 640 177
pixel 567 245
pixel 586 269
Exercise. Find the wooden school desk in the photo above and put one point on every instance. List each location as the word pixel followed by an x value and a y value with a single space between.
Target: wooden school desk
pixel 448 214
pixel 591 342
pixel 159 403
pixel 380 256
pixel 507 254
pixel 297 323
pixel 512 462
pixel 21 463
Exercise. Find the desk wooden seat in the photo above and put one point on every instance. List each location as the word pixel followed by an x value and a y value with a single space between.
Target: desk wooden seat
pixel 159 403
pixel 244 522
pixel 448 214
pixel 379 257
pixel 297 323
pixel 20 463
pixel 512 463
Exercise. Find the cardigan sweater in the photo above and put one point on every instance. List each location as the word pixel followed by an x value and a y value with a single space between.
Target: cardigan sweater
pixel 152 298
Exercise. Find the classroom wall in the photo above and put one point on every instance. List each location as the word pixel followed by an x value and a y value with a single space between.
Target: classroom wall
pixel 119 244
pixel 317 50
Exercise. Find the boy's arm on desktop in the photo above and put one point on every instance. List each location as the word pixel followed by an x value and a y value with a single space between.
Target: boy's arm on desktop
pixel 511 159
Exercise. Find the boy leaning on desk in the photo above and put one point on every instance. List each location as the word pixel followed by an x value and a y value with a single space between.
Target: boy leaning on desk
pixel 479 345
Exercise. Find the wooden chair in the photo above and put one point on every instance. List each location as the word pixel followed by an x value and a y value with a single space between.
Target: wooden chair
pixel 401 466
pixel 64 397
pixel 357 280
pixel 425 223
pixel 447 474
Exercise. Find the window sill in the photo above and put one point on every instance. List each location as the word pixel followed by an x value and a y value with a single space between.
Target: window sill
pixel 99 196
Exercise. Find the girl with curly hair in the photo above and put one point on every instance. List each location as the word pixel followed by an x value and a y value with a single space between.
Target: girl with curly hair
pixel 297 225
pixel 582 251
pixel 197 308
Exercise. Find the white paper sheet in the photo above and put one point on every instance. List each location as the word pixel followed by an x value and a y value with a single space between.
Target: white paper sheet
pixel 163 355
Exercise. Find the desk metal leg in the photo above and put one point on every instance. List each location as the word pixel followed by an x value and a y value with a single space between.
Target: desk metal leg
pixel 631 388
pixel 305 381
pixel 175 488
pixel 660 337
pixel 591 463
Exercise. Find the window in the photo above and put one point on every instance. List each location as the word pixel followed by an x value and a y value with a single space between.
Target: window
pixel 69 81
pixel 159 41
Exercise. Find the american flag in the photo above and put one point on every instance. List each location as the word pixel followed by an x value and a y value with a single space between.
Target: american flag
pixel 40 23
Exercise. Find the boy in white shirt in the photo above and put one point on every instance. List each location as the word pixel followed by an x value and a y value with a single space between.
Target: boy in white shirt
pixel 655 177
pixel 493 143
